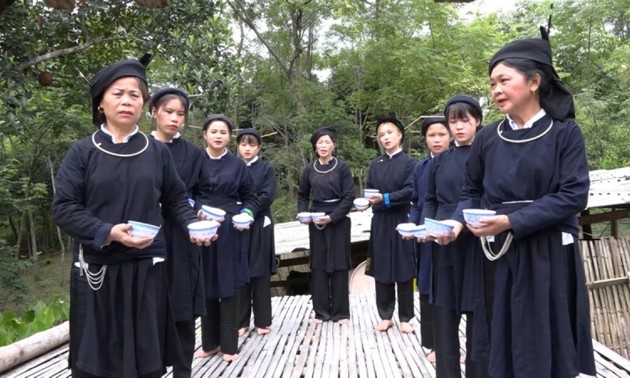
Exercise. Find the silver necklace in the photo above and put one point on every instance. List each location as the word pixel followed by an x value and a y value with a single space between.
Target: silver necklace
pixel 330 170
pixel 98 145
pixel 500 133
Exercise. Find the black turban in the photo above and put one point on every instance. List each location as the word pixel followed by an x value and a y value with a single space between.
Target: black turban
pixel 467 100
pixel 326 130
pixel 217 117
pixel 255 133
pixel 431 120
pixel 558 102
pixel 105 77
pixel 393 120
pixel 169 90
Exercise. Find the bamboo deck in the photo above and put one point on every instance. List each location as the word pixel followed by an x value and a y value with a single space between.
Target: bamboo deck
pixel 296 348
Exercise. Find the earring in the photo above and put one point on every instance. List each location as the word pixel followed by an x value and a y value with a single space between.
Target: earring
pixel 100 109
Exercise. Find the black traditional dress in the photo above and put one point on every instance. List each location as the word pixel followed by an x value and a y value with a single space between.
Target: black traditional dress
pixel 456 266
pixel 328 188
pixel 120 326
pixel 226 267
pixel 424 253
pixel 331 190
pixel 392 258
pixel 225 262
pixel 184 258
pixel 259 242
pixel 539 177
pixel 420 177
pixel 457 279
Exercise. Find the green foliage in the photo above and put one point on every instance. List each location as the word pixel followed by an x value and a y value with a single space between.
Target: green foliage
pixel 11 269
pixel 38 318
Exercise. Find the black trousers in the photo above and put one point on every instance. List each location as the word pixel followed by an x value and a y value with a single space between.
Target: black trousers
pixel 426 322
pixel 386 300
pixel 219 328
pixel 186 333
pixel 329 292
pixel 257 295
pixel 447 348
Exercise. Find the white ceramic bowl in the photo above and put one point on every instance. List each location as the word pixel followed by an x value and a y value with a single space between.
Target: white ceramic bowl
pixel 420 231
pixel 473 216
pixel 304 217
pixel 361 203
pixel 437 228
pixel 367 193
pixel 214 213
pixel 143 230
pixel 405 229
pixel 204 229
pixel 242 220
pixel 316 216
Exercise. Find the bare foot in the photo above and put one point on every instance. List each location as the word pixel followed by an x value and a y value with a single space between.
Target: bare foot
pixel 384 325
pixel 241 331
pixel 263 331
pixel 316 321
pixel 431 357
pixel 405 327
pixel 343 321
pixel 203 354
pixel 230 357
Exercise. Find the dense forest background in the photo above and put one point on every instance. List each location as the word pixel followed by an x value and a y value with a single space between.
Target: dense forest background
pixel 286 67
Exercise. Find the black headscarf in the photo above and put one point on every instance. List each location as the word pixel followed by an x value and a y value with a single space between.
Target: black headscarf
pixel 394 121
pixel 467 100
pixel 105 77
pixel 169 90
pixel 431 120
pixel 249 131
pixel 558 102
pixel 217 117
pixel 326 130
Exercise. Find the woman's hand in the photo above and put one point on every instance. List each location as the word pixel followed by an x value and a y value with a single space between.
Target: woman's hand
pixel 323 220
pixel 120 233
pixel 375 198
pixel 447 238
pixel 204 242
pixel 491 226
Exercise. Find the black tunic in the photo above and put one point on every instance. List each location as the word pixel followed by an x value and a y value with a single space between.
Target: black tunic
pixel 122 328
pixel 425 260
pixel 260 239
pixel 332 193
pixel 225 262
pixel 539 283
pixel 457 266
pixel 392 258
pixel 184 258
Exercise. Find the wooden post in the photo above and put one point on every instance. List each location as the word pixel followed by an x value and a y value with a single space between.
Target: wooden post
pixel 614 228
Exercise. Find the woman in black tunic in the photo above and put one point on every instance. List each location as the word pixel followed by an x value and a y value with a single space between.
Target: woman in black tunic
pixel 326 186
pixel 457 266
pixel 531 167
pixel 169 108
pixel 120 318
pixel 437 136
pixel 392 259
pixel 260 239
pixel 225 264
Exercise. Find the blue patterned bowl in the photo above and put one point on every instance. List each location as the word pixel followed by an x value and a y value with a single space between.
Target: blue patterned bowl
pixel 143 230
pixel 473 216
pixel 436 228
pixel 204 229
